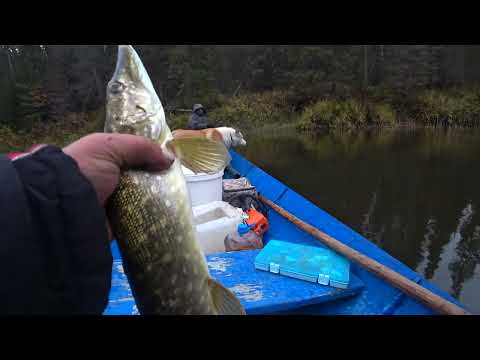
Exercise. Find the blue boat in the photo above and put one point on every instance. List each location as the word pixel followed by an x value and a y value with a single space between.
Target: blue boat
pixel 263 293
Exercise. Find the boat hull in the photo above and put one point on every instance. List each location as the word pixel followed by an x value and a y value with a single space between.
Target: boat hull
pixel 369 295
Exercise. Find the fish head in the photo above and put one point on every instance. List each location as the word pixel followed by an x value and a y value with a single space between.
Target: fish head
pixel 133 106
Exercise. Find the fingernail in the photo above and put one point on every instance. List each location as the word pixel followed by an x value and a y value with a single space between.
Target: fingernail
pixel 169 155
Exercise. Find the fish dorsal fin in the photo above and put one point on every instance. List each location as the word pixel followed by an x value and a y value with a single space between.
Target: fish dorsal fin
pixel 224 301
pixel 200 155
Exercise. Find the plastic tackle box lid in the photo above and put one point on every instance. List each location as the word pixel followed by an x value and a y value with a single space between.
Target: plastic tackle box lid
pixel 313 264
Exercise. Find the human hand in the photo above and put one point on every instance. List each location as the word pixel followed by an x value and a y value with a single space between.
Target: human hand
pixel 102 157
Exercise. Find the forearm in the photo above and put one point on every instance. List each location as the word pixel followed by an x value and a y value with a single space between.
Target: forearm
pixel 54 248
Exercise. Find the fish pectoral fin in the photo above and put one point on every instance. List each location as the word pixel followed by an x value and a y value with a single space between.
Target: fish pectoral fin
pixel 200 155
pixel 224 301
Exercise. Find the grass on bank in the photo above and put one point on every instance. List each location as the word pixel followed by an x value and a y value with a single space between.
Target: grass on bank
pixel 245 111
pixel 346 114
pixel 459 107
pixel 74 127
pixel 380 107
pixel 454 107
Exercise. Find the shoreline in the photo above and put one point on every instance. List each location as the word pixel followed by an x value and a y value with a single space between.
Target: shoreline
pixel 62 134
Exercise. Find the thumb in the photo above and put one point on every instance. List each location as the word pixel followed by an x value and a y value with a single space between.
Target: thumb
pixel 136 152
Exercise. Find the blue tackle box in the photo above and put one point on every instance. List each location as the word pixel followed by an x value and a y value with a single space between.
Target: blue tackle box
pixel 313 264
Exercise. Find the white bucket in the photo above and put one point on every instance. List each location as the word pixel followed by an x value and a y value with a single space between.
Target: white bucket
pixel 203 188
pixel 214 222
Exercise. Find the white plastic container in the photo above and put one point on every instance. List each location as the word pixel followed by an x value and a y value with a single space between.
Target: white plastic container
pixel 204 188
pixel 214 222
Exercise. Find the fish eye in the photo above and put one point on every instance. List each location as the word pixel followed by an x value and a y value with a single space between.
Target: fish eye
pixel 141 108
pixel 116 87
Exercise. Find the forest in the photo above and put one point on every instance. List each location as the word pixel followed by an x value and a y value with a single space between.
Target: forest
pixel 313 86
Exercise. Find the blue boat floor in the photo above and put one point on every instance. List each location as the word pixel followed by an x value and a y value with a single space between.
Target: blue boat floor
pixel 259 292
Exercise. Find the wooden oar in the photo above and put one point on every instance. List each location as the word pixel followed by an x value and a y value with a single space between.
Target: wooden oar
pixel 409 287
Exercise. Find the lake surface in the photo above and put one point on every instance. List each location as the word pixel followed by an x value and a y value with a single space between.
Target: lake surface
pixel 413 192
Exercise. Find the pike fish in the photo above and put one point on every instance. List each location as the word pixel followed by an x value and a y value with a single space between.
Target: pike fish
pixel 151 214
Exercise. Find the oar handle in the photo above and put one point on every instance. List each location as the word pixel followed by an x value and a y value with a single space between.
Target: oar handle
pixel 409 287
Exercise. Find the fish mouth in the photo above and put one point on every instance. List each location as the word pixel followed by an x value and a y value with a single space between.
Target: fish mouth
pixel 130 66
pixel 132 124
pixel 127 129
pixel 135 107
pixel 139 119
pixel 125 62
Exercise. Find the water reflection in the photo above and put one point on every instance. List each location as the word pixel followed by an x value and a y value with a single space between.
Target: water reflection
pixel 467 250
pixel 428 238
pixel 412 192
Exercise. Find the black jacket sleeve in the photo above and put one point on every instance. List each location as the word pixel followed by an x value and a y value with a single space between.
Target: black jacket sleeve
pixel 55 256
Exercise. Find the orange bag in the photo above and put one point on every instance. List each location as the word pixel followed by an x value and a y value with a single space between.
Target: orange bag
pixel 259 222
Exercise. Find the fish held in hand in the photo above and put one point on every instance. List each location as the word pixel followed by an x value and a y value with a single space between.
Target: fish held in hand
pixel 151 214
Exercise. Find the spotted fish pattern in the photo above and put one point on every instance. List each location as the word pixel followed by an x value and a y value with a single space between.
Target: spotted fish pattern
pixel 152 211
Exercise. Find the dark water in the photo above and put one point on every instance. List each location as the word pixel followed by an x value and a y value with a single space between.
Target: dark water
pixel 415 193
